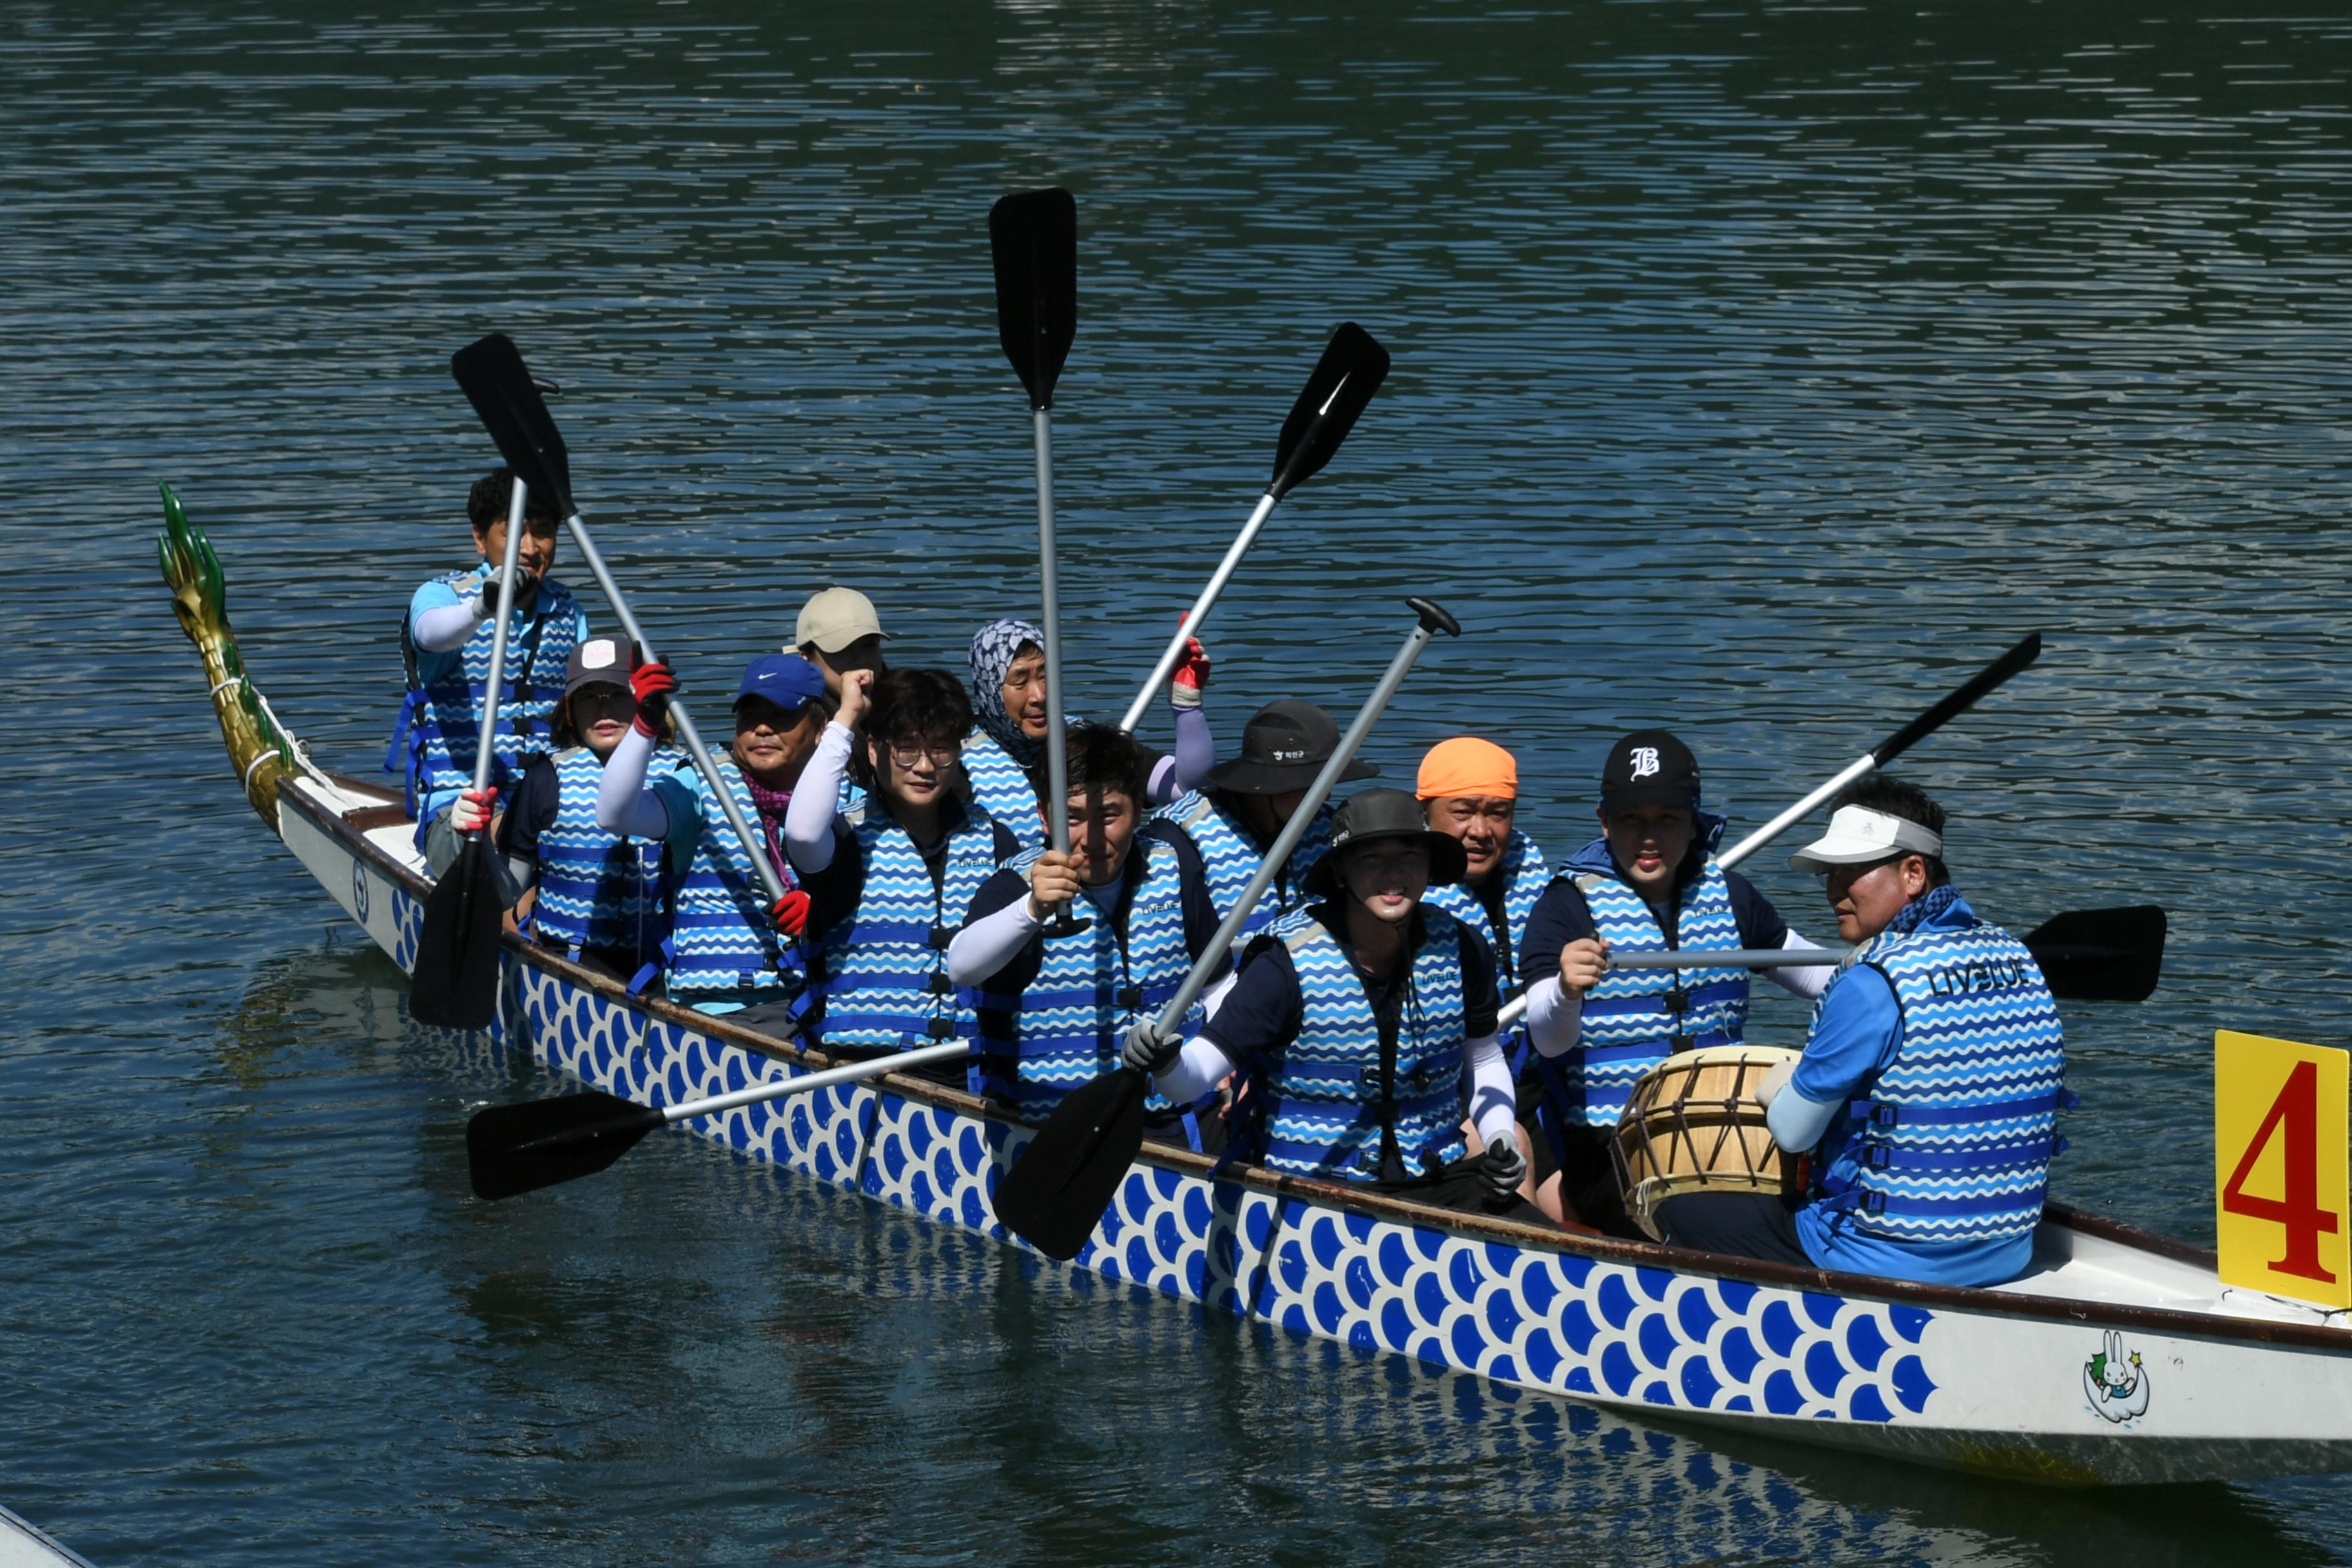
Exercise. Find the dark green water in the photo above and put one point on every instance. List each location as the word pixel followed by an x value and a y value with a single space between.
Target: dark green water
pixel 1759 369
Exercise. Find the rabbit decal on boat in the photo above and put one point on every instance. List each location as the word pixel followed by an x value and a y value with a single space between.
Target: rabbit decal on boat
pixel 2117 1382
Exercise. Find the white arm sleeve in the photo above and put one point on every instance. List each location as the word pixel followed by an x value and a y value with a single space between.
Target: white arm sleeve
pixel 1200 1069
pixel 1554 1017
pixel 808 821
pixel 623 804
pixel 1798 1123
pixel 1493 1104
pixel 1214 996
pixel 446 627
pixel 989 943
pixel 1809 981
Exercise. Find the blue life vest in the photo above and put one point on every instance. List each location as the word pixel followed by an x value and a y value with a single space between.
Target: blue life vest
pixel 1953 1142
pixel 1635 1018
pixel 1230 856
pixel 440 725
pixel 1323 1105
pixel 1000 787
pixel 721 942
pixel 882 972
pixel 597 888
pixel 1526 874
pixel 1067 1025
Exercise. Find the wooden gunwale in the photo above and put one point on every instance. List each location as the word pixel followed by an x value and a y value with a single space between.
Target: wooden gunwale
pixel 1345 1199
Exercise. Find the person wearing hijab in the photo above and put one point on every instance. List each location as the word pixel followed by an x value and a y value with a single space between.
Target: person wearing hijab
pixel 1005 756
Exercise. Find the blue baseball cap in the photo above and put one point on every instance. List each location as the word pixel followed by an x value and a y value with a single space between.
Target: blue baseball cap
pixel 786 680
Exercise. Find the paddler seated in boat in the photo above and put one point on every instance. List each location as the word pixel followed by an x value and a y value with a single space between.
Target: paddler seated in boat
pixel 595 896
pixel 1242 806
pixel 889 890
pixel 1930 1083
pixel 1005 756
pixel 1054 1011
pixel 730 952
pixel 445 645
pixel 1648 883
pixel 837 632
pixel 1364 1024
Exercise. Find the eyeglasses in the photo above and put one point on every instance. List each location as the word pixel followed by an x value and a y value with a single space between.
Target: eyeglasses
pixel 591 702
pixel 938 756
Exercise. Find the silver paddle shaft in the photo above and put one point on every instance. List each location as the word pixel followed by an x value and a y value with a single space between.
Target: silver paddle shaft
pixel 1173 1015
pixel 1795 814
pixel 673 1114
pixel 1057 751
pixel 1731 958
pixel 485 747
pixel 1198 613
pixel 754 843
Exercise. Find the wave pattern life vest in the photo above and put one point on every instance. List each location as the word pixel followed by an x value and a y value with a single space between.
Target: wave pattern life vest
pixel 440 725
pixel 1324 1105
pixel 1230 858
pixel 883 975
pixel 1525 875
pixel 721 940
pixel 597 888
pixel 1001 788
pixel 1955 1140
pixel 1067 1026
pixel 1635 1018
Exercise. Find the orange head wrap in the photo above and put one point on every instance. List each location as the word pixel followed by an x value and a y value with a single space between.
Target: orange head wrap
pixel 1467 766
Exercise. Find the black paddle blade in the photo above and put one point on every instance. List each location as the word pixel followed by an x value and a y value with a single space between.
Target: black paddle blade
pixel 1055 1193
pixel 2027 650
pixel 2101 955
pixel 505 394
pixel 1034 238
pixel 1352 367
pixel 454 983
pixel 514 1149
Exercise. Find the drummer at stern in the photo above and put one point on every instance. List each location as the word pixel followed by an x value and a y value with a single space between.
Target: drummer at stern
pixel 1649 883
pixel 1930 1083
pixel 1362 1025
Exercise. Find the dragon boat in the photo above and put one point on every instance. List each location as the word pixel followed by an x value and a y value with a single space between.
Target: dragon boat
pixel 2119 1357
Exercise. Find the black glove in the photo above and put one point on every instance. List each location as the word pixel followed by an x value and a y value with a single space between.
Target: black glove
pixel 1502 1167
pixel 1148 1050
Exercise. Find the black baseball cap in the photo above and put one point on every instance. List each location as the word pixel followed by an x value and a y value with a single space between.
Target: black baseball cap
pixel 1649 767
pixel 1284 747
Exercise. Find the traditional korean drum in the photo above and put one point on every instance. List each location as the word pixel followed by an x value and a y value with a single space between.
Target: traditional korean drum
pixel 1692 1124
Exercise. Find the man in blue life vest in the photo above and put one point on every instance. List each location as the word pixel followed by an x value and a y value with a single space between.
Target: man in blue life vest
pixel 889 890
pixel 1364 1024
pixel 1054 1011
pixel 838 631
pixel 1648 883
pixel 1004 756
pixel 730 953
pixel 597 897
pixel 444 644
pixel 1930 1084
pixel 1242 805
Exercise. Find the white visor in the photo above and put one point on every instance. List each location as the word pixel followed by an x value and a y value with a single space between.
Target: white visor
pixel 1859 835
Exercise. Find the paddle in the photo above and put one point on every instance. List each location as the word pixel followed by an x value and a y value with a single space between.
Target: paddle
pixel 514 1149
pixel 2085 955
pixel 1033 238
pixel 1344 379
pixel 503 393
pixel 1927 721
pixel 1054 1195
pixel 454 982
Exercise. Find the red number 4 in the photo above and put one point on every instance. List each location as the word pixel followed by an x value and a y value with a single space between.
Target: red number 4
pixel 2298 1210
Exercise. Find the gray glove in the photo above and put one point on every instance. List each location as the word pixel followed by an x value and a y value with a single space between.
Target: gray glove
pixel 1148 1050
pixel 1502 1167
pixel 486 597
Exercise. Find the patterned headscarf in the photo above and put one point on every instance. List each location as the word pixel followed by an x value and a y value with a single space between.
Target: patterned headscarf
pixel 993 647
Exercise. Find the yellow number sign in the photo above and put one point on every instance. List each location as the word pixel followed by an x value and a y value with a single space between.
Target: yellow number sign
pixel 2280 1152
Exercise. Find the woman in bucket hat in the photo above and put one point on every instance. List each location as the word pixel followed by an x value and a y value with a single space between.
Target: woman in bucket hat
pixel 1363 1024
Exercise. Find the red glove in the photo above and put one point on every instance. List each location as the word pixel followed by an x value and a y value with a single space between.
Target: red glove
pixel 472 812
pixel 791 913
pixel 1191 675
pixel 652 684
